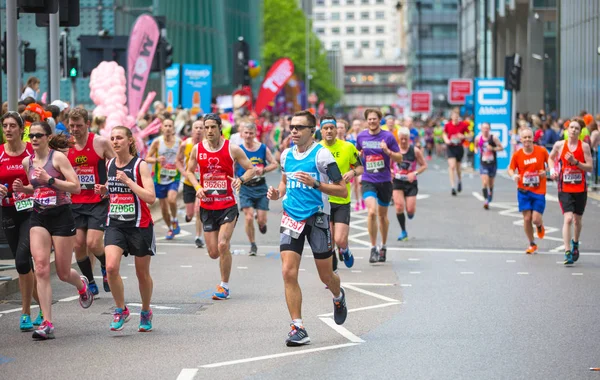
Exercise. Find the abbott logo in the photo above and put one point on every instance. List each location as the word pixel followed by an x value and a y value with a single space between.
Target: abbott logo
pixel 501 131
pixel 492 93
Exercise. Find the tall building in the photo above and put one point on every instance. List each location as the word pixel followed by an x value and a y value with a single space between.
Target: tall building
pixel 490 30
pixel 579 56
pixel 370 35
pixel 434 46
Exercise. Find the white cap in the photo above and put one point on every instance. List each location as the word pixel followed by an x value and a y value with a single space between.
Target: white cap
pixel 60 104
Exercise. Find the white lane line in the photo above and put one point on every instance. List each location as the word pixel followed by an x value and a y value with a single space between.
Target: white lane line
pixel 413 259
pixel 302 270
pixel 523 273
pixel 414 272
pixel 379 296
pixel 358 257
pixel 356 271
pixel 242 267
pixel 162 253
pixel 478 196
pixel 576 274
pixel 342 331
pixel 560 262
pixel 310 256
pixel 17 309
pixel 364 308
pixel 187 374
pixel 186 266
pixel 155 306
pixel 274 356
pixel 460 260
pixel 467 273
pixel 367 284
pixel 130 265
pixel 406 285
pixel 100 277
pixel 69 299
pixel 560 248
pixel 511 261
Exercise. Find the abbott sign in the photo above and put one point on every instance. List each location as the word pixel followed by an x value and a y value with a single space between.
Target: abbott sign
pixel 493 105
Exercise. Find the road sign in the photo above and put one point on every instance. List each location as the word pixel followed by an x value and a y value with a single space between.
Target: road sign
pixel 458 89
pixel 493 105
pixel 420 101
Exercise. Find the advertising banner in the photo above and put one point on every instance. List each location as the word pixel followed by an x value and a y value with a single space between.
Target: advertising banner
pixel 493 105
pixel 458 89
pixel 196 88
pixel 420 101
pixel 140 53
pixel 173 85
pixel 278 75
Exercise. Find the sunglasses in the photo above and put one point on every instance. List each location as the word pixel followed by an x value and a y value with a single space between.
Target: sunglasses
pixel 299 127
pixel 37 135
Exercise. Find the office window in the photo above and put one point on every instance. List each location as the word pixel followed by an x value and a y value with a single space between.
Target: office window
pixel 335 2
pixel 335 15
pixel 380 44
pixel 349 2
pixel 320 30
pixel 379 15
pixel 364 2
pixel 335 30
pixel 319 16
pixel 320 2
pixel 335 44
pixel 364 30
pixel 350 30
pixel 350 44
pixel 365 44
pixel 449 7
pixel 349 15
pixel 379 1
pixel 364 15
pixel 379 30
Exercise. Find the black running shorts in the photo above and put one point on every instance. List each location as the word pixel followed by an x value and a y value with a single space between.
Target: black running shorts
pixel 58 221
pixel 189 194
pixel 136 241
pixel 455 151
pixel 212 220
pixel 318 234
pixel 340 213
pixel 90 216
pixel 572 202
pixel 409 189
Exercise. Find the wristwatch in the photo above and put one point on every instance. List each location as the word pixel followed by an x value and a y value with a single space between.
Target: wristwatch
pixel 51 181
pixel 317 184
pixel 576 162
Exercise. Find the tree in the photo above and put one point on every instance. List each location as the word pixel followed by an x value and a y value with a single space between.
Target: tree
pixel 284 33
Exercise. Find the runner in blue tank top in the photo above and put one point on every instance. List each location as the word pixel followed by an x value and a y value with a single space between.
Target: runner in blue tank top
pixel 310 175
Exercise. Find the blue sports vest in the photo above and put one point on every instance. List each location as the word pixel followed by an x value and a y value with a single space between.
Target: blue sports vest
pixel 259 157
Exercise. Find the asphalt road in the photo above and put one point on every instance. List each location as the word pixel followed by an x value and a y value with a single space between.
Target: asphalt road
pixel 458 300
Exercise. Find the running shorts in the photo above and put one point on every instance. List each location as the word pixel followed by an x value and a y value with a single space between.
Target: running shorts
pixel 410 189
pixel 572 202
pixel 163 190
pixel 254 197
pixel 530 201
pixel 340 213
pixel 489 170
pixel 212 220
pixel 90 216
pixel 455 151
pixel 136 241
pixel 189 194
pixel 380 190
pixel 58 221
pixel 317 232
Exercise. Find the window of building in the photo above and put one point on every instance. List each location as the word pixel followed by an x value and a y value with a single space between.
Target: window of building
pixel 349 2
pixel 335 30
pixel 449 6
pixel 319 16
pixel 444 31
pixel 380 44
pixel 365 2
pixel 335 2
pixel 379 15
pixel 350 44
pixel 365 44
pixel 335 44
pixel 350 30
pixel 379 1
pixel 320 30
pixel 364 30
pixel 349 15
pixel 379 30
pixel 364 15
pixel 335 15
pixel 320 2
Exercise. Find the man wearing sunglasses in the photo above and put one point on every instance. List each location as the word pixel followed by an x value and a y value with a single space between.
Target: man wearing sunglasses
pixel 310 175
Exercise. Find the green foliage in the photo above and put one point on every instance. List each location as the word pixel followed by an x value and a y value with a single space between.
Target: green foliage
pixel 284 34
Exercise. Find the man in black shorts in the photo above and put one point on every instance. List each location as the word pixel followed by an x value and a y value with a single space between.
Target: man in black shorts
pixel 455 133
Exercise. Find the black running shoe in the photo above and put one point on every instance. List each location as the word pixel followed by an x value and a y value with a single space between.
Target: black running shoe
pixel 199 242
pixel 297 337
pixel 253 249
pixel 262 229
pixel 575 250
pixel 459 188
pixel 454 192
pixel 340 311
pixel 382 254
pixel 374 255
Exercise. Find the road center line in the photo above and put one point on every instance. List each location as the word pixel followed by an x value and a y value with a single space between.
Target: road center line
pixel 342 330
pixel 187 374
pixel 365 308
pixel 379 296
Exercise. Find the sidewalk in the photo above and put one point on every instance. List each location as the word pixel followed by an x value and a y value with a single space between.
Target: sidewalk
pixel 12 286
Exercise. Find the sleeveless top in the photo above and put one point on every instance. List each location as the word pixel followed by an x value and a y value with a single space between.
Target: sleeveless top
pixel 11 168
pixel 408 165
pixel 571 179
pixel 126 208
pixel 215 170
pixel 488 157
pixel 167 173
pixel 258 159
pixel 90 169
pixel 187 150
pixel 44 196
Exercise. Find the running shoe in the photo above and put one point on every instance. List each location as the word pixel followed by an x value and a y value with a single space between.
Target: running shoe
pixel 459 187
pixel 403 236
pixel 253 249
pixel 94 288
pixel 297 336
pixel 176 228
pixel 45 331
pixel 575 250
pixel 374 255
pixel 382 254
pixel 220 294
pixel 454 192
pixel 357 207
pixel 340 255
pixel 145 321
pixel 362 204
pixel 40 319
pixel 86 299
pixel 348 258
pixel 532 249
pixel 170 235
pixel 486 205
pixel 541 232
pixel 26 324
pixel 105 280
pixel 340 311
pixel 188 218
pixel 568 258
pixel 199 242
pixel 262 229
pixel 120 316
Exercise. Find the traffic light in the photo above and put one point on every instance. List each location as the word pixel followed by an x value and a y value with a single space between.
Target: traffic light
pixel 73 68
pixel 38 6
pixel 241 54
pixel 163 57
pixel 4 53
pixel 512 72
pixel 167 53
pixel 68 14
pixel 29 65
pixel 63 49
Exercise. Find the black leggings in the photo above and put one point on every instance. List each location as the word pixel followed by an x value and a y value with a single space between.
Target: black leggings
pixel 16 229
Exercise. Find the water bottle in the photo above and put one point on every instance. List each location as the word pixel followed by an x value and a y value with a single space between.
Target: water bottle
pixel 238 252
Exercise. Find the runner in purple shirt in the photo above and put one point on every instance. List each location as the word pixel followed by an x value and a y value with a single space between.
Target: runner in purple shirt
pixel 377 147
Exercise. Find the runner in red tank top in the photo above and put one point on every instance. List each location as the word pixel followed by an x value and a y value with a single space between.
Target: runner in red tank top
pixel 218 209
pixel 88 157
pixel 574 160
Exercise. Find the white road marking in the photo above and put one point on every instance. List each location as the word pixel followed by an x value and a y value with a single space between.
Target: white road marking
pixel 511 261
pixel 367 284
pixel 186 266
pixel 406 285
pixel 523 273
pixel 155 306
pixel 356 271
pixel 423 196
pixel 576 274
pixel 274 356
pixel 560 248
pixel 162 253
pixel 310 256
pixel 364 308
pixel 242 267
pixel 413 259
pixel 69 299
pixel 467 273
pixel 478 196
pixel 100 277
pixel 414 272
pixel 342 331
pixel 358 257
pixel 17 309
pixel 369 293
pixel 460 260
pixel 302 270
pixel 560 262
pixel 130 265
pixel 187 374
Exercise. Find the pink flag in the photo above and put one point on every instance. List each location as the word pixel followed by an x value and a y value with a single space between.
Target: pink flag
pixel 275 79
pixel 140 53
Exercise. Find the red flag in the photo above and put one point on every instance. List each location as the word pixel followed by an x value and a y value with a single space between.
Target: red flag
pixel 278 75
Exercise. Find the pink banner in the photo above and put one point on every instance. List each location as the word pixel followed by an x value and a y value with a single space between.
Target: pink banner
pixel 278 75
pixel 142 45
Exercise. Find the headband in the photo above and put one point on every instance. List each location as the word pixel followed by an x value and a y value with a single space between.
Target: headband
pixel 328 121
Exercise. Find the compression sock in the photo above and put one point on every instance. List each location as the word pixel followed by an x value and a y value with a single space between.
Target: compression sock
pixel 485 193
pixel 85 266
pixel 402 221
pixel 102 260
pixel 491 194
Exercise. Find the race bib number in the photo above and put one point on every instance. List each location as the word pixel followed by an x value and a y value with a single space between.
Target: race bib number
pixel 402 175
pixel 214 184
pixel 455 140
pixel 122 206
pixel 573 176
pixel 291 227
pixel 487 156
pixel 22 202
pixel 87 180
pixel 531 180
pixel 45 196
pixel 168 171
pixel 375 163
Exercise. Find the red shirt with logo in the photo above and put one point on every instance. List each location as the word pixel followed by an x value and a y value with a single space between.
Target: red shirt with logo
pixel 452 130
pixel 215 170
pixel 11 168
pixel 90 169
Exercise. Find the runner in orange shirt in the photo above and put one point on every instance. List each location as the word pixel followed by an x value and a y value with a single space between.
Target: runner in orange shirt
pixel 530 164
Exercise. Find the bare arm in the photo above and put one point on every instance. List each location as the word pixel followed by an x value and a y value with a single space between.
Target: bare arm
pixel 553 156
pixel 145 193
pixel 421 161
pixel 588 165
pixel 240 157
pixel 109 153
pixel 499 147
pixel 151 157
pixel 190 172
pixel 179 161
pixel 18 184
pixel 272 163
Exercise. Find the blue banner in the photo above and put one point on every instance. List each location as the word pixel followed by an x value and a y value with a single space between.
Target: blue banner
pixel 196 90
pixel 493 105
pixel 173 85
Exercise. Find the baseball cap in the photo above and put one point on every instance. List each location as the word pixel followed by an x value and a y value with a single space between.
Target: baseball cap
pixel 60 104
